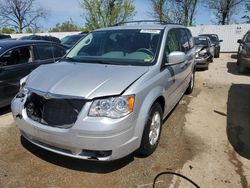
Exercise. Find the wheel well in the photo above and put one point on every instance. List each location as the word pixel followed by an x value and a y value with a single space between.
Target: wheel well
pixel 161 102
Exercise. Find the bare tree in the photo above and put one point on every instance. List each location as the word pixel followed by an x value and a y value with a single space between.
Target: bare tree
pixel 103 13
pixel 20 14
pixel 247 11
pixel 224 9
pixel 177 11
pixel 190 11
pixel 160 10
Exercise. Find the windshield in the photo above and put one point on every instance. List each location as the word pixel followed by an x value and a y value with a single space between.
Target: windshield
pixel 200 41
pixel 129 47
pixel 246 38
pixel 213 38
pixel 69 40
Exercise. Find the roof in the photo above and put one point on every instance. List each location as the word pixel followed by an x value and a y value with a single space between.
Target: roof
pixel 138 26
pixel 6 44
pixel 13 43
pixel 208 34
pixel 77 35
pixel 202 36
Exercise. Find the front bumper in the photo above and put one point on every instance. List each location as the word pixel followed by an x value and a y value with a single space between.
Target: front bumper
pixel 202 62
pixel 86 139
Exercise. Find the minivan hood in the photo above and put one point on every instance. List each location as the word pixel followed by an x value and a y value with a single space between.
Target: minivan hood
pixel 84 79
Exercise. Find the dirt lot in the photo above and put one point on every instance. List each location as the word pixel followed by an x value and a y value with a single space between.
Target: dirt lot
pixel 206 138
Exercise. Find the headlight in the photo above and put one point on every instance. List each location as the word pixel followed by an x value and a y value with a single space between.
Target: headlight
pixel 202 52
pixel 23 91
pixel 23 82
pixel 112 107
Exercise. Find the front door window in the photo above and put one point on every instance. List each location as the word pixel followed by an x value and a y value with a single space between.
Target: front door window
pixel 16 56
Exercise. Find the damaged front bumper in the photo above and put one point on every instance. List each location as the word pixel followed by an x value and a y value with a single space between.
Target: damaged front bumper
pixel 202 62
pixel 92 138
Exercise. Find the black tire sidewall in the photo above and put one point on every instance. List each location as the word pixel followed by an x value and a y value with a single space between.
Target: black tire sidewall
pixel 146 148
pixel 190 87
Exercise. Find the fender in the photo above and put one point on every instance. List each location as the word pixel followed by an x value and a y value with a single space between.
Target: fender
pixel 144 110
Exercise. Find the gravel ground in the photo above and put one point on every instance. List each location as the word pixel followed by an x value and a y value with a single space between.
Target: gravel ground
pixel 206 138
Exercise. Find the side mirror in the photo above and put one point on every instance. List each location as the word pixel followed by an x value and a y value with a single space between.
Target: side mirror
pixel 221 40
pixel 240 41
pixel 176 57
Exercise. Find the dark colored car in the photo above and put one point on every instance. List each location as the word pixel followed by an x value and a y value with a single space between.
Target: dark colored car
pixel 18 58
pixel 38 37
pixel 204 51
pixel 4 36
pixel 70 40
pixel 243 58
pixel 216 42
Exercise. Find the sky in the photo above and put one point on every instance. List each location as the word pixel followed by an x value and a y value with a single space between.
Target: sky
pixel 62 10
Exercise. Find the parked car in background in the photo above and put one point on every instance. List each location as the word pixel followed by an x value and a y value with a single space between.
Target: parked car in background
pixel 243 57
pixel 216 42
pixel 4 36
pixel 38 37
pixel 108 97
pixel 204 51
pixel 18 58
pixel 70 40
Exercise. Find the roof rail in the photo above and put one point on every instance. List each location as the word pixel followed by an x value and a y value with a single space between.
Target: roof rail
pixel 146 21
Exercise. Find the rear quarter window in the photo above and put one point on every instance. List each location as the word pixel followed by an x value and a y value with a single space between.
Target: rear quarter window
pixel 44 52
pixel 58 51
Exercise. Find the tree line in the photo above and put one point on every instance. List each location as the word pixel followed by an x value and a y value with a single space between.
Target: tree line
pixel 23 15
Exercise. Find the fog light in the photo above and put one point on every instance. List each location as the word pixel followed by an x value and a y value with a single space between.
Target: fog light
pixel 96 154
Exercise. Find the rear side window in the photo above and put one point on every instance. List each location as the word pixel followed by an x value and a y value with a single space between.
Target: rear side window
pixel 21 55
pixel 58 51
pixel 172 43
pixel 44 52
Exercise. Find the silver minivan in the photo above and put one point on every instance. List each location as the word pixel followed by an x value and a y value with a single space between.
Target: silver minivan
pixel 109 95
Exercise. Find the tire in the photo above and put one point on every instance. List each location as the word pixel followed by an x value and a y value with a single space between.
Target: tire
pixel 238 61
pixel 241 69
pixel 211 59
pixel 191 84
pixel 217 55
pixel 152 131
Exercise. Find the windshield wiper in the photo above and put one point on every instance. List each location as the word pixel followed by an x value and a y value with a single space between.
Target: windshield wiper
pixel 97 61
pixel 69 59
pixel 93 61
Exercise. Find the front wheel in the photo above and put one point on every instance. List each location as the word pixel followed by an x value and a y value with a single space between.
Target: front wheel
pixel 217 54
pixel 191 84
pixel 152 131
